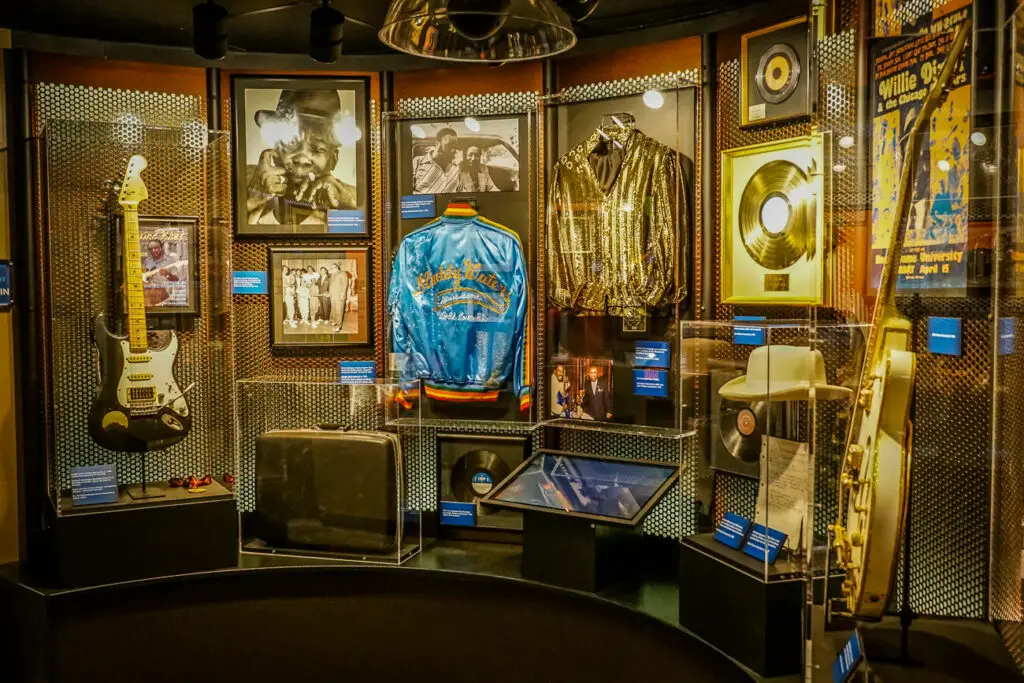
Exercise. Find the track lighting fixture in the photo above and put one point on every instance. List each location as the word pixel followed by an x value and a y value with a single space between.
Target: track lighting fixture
pixel 209 30
pixel 326 29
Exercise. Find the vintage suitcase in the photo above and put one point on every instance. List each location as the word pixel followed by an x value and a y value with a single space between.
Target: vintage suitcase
pixel 332 490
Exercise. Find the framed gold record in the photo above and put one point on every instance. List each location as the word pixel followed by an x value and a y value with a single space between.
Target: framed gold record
pixel 776 73
pixel 775 244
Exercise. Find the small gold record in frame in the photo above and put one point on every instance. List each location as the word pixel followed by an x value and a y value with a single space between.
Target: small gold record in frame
pixel 775 243
pixel 776 74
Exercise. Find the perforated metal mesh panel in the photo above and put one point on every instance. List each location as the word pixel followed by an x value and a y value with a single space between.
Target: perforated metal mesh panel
pixel 254 357
pixel 675 515
pixel 630 86
pixel 484 104
pixel 950 475
pixel 80 156
pixel 1008 506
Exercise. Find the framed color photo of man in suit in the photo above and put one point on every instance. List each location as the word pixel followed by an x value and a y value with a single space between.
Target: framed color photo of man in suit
pixel 319 297
pixel 301 161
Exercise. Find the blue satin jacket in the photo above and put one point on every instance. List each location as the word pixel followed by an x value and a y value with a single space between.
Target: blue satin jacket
pixel 460 309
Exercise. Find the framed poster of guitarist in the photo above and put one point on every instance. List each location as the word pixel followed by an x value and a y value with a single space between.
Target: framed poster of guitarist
pixel 170 267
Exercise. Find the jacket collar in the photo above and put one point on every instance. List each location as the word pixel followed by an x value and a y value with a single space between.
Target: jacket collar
pixel 460 209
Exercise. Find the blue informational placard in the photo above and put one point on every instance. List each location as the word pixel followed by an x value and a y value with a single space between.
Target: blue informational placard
pixel 732 530
pixel 849 660
pixel 249 282
pixel 5 285
pixel 762 540
pixel 458 514
pixel 357 372
pixel 748 336
pixel 944 336
pixel 419 206
pixel 1007 336
pixel 346 221
pixel 651 354
pixel 94 484
pixel 650 383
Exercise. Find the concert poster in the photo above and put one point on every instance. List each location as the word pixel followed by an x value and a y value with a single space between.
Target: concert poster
pixel 934 255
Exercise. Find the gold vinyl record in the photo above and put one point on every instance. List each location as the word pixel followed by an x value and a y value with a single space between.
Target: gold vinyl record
pixel 774 215
pixel 778 73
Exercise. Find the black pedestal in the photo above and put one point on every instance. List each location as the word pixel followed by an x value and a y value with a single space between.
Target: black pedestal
pixel 725 600
pixel 136 542
pixel 577 553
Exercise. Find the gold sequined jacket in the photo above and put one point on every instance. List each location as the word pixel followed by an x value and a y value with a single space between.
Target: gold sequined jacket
pixel 613 230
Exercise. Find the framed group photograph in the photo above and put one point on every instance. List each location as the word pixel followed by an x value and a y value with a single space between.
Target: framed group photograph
pixel 777 74
pixel 301 159
pixel 319 297
pixel 465 156
pixel 168 249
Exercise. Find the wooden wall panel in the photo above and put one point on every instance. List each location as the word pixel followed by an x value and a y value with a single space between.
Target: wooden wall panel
pixel 105 73
pixel 630 62
pixel 469 80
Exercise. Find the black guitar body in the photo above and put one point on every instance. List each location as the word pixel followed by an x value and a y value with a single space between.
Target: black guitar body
pixel 138 406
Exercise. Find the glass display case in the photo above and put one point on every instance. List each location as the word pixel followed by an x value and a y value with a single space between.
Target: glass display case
pixel 771 402
pixel 461 308
pixel 323 475
pixel 615 257
pixel 140 409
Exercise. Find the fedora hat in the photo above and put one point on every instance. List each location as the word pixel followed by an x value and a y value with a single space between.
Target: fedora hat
pixel 783 373
pixel 316 107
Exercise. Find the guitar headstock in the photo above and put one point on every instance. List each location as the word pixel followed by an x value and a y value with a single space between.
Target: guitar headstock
pixel 133 190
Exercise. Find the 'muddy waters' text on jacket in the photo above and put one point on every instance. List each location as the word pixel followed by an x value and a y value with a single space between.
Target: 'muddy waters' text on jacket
pixel 460 309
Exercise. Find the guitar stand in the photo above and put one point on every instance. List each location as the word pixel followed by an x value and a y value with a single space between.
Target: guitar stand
pixel 143 492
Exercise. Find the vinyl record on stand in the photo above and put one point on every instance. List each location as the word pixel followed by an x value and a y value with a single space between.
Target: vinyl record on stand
pixel 742 425
pixel 476 473
pixel 773 216
pixel 778 73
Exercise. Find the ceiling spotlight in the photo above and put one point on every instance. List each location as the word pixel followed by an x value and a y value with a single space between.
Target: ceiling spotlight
pixel 418 132
pixel 492 31
pixel 472 124
pixel 839 168
pixel 944 166
pixel 654 99
pixel 846 142
pixel 209 30
pixel 978 138
pixel 326 28
pixel 578 10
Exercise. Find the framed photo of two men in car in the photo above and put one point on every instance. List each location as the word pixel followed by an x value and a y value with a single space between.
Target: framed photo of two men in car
pixel 301 157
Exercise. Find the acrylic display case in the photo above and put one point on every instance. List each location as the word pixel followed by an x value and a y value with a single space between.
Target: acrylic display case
pixel 136 421
pixel 771 401
pixel 323 476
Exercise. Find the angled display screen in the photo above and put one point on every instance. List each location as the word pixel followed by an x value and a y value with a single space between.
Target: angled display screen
pixel 610 490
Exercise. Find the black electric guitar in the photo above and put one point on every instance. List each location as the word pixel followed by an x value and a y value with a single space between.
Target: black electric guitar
pixel 138 405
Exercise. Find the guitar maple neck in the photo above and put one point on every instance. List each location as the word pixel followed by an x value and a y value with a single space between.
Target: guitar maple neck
pixel 133 281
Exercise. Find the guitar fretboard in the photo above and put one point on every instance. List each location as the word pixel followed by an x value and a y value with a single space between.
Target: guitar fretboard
pixel 133 281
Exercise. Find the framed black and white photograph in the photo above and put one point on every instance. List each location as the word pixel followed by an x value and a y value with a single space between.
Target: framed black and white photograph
pixel 301 159
pixel 319 297
pixel 465 156
pixel 168 250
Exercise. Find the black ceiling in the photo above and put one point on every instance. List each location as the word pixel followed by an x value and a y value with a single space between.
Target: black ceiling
pixel 286 30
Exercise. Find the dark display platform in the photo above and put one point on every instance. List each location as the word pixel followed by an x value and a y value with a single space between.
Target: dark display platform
pixel 125 542
pixel 343 623
pixel 725 600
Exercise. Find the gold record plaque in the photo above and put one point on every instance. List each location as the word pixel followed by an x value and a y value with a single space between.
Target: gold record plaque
pixel 773 216
pixel 775 73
